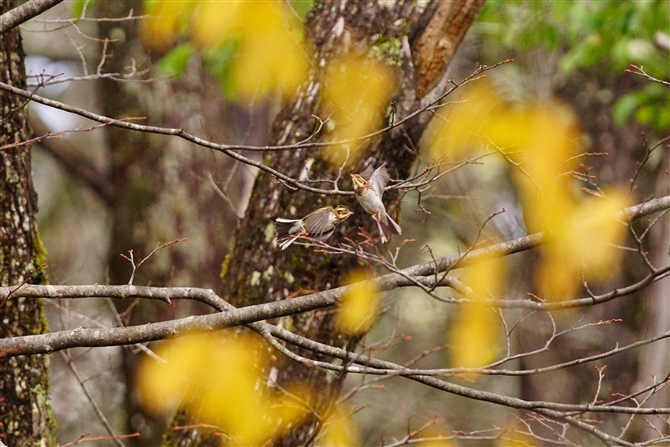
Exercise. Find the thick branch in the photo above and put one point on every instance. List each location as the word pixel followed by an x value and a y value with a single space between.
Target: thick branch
pixel 438 36
pixel 83 337
pixel 88 337
pixel 25 12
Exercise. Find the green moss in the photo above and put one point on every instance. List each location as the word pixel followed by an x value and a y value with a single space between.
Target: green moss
pixel 39 259
pixel 296 260
pixel 226 262
pixel 387 49
pixel 225 266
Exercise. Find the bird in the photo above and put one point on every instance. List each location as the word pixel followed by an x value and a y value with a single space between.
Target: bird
pixel 318 225
pixel 369 195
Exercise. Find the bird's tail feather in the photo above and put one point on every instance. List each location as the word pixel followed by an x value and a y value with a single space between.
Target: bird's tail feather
pixel 288 240
pixel 382 232
pixel 388 227
pixel 283 227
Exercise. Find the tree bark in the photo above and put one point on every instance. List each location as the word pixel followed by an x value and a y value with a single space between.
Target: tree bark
pixel 162 190
pixel 256 271
pixel 25 417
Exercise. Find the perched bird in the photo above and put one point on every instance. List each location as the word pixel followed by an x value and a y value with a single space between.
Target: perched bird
pixel 318 225
pixel 369 195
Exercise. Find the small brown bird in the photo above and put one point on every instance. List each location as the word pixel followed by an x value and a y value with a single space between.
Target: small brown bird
pixel 318 225
pixel 369 195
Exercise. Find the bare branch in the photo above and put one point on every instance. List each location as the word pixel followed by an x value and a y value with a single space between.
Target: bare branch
pixel 25 12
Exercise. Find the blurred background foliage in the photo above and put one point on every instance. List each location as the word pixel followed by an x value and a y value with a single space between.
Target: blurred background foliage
pixel 574 53
pixel 600 36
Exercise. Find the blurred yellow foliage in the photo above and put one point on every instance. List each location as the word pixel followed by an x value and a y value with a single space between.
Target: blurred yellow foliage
pixel 584 246
pixel 359 89
pixel 268 54
pixel 462 125
pixel 216 21
pixel 474 335
pixel 218 378
pixel 543 139
pixel 359 306
pixel 338 430
pixel 164 22
pixel 543 142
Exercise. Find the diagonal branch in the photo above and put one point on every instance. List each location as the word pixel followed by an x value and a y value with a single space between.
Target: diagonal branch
pixel 84 337
pixel 229 149
pixel 73 163
pixel 25 12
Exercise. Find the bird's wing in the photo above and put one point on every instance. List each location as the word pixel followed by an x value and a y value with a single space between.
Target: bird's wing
pixel 379 179
pixel 367 172
pixel 317 222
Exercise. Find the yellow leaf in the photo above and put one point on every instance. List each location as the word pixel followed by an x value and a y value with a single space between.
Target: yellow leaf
pixel 215 21
pixel 218 378
pixel 557 276
pixel 270 56
pixel 597 230
pixel 474 334
pixel 474 337
pixel 359 90
pixel 338 430
pixel 359 306
pixel 464 123
pixel 165 18
pixel 584 246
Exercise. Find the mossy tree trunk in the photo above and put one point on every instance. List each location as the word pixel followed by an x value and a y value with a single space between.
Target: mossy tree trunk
pixel 24 387
pixel 256 271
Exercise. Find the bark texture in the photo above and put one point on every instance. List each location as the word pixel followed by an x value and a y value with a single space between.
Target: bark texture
pixel 162 190
pixel 24 386
pixel 256 271
pixel 438 35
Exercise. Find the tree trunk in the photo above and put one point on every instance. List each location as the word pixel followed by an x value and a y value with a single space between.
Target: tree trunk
pixel 256 271
pixel 162 191
pixel 24 387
